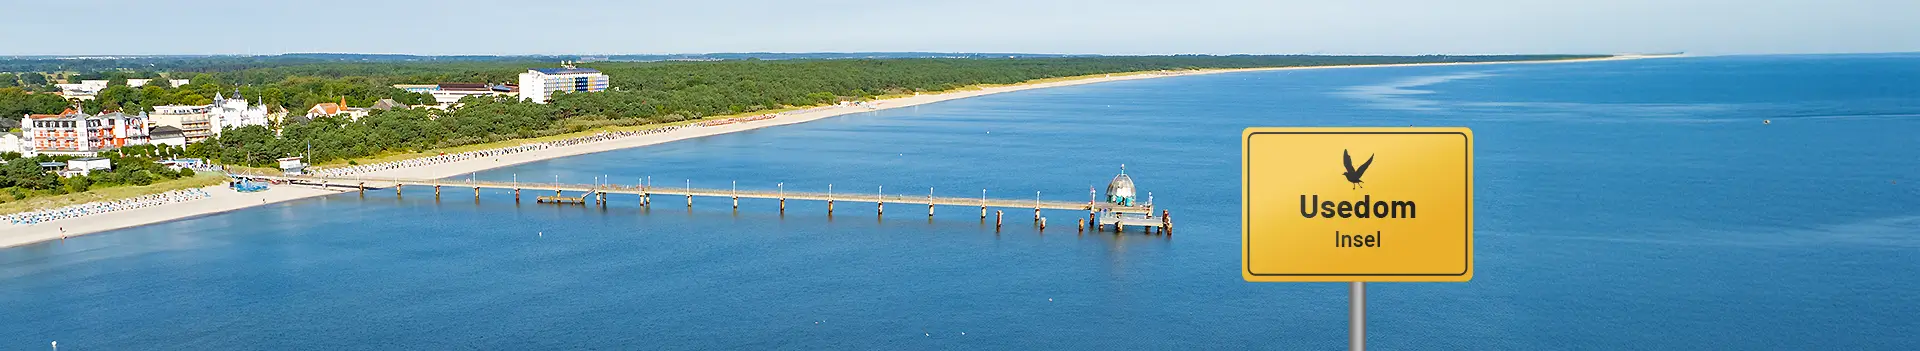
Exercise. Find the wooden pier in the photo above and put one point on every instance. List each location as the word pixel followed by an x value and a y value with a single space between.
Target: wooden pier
pixel 1099 214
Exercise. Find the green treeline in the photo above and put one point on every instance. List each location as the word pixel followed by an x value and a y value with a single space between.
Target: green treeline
pixel 23 177
pixel 642 93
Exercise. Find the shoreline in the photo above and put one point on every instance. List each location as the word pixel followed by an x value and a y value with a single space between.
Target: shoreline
pixel 224 199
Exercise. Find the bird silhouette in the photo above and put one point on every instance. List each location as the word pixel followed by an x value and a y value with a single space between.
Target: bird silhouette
pixel 1353 174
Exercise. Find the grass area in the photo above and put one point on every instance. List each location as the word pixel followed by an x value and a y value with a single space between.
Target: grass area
pixel 202 179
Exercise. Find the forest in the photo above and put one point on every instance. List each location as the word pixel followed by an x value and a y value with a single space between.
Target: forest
pixel 641 93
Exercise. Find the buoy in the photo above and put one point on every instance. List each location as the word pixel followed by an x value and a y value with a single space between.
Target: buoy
pixel 1769 121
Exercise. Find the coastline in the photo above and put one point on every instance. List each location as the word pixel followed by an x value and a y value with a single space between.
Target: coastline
pixel 225 199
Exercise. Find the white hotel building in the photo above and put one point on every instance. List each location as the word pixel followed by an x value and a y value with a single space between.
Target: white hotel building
pixel 199 122
pixel 539 84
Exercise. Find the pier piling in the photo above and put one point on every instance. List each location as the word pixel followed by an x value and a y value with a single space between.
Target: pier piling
pixel 396 189
pixel 436 191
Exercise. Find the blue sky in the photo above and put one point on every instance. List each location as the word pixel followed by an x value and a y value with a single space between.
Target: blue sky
pixel 436 27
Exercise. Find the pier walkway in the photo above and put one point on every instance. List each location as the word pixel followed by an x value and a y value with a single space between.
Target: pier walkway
pixel 646 194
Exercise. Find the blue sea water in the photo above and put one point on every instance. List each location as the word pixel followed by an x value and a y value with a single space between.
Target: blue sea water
pixel 1749 202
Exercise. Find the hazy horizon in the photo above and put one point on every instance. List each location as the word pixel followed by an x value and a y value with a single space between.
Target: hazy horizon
pixel 1125 27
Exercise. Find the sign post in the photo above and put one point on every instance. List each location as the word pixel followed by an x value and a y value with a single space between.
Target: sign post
pixel 1356 205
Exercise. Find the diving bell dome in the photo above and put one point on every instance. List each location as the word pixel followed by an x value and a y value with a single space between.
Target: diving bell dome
pixel 1121 186
pixel 1121 191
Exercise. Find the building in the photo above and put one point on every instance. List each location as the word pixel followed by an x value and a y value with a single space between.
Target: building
pixel 87 89
pixel 450 93
pixel 194 121
pixel 387 105
pixel 235 112
pixel 336 109
pixel 12 142
pixel 447 94
pixel 293 165
pixel 199 122
pixel 417 88
pixel 540 84
pixel 86 165
pixel 78 134
pixel 167 135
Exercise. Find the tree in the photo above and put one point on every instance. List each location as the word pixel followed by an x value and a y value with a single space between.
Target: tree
pixel 8 80
pixel 117 80
pixel 77 184
pixel 26 173
pixel 31 78
pixel 159 81
pixel 141 177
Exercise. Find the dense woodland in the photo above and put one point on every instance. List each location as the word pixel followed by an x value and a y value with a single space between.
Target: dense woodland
pixel 642 93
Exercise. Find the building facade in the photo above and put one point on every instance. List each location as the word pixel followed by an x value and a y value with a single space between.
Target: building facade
pixel 167 135
pixel 79 134
pixel 12 142
pixel 540 84
pixel 195 121
pixel 235 112
pixel 87 89
pixel 199 122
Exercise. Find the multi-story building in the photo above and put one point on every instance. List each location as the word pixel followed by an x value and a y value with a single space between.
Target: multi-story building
pixel 199 122
pixel 78 134
pixel 195 121
pixel 539 84
pixel 12 142
pixel 447 94
pixel 87 89
pixel 235 112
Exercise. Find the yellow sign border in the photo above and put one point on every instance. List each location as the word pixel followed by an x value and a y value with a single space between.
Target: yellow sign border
pixel 1246 254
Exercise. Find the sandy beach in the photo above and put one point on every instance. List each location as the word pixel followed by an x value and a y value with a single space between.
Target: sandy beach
pixel 224 199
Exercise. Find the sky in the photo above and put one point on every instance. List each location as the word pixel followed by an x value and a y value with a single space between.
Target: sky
pixel 1114 27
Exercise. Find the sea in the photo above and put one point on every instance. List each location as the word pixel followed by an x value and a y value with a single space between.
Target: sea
pixel 1732 202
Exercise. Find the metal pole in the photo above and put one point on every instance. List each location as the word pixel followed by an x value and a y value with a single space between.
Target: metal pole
pixel 1357 317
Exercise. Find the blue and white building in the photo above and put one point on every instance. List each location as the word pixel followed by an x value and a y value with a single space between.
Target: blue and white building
pixel 540 84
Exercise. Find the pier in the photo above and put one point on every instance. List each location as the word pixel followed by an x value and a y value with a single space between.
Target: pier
pixel 1100 214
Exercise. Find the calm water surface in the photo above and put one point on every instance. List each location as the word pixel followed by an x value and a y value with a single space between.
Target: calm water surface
pixel 1622 205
